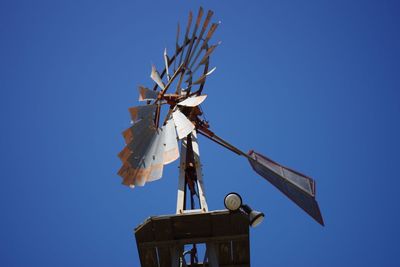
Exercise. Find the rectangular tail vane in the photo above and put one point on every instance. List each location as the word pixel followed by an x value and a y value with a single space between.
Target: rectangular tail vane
pixel 296 186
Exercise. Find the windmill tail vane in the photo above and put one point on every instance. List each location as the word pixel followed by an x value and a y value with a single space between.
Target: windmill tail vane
pixel 152 141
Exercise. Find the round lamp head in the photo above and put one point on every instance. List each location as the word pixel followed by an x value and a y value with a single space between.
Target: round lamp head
pixel 233 201
pixel 255 218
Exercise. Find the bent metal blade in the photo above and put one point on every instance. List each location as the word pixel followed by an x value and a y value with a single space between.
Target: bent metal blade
pixel 193 101
pixel 155 76
pixel 169 142
pixel 183 125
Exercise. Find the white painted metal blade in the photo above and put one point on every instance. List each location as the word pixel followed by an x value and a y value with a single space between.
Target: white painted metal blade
pixel 193 101
pixel 182 124
pixel 138 131
pixel 211 71
pixel 142 158
pixel 147 94
pixel 166 61
pixel 204 76
pixel 140 112
pixel 155 76
pixel 147 151
pixel 139 138
pixel 155 156
pixel 170 142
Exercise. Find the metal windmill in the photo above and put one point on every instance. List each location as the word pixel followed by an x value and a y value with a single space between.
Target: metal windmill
pixel 152 140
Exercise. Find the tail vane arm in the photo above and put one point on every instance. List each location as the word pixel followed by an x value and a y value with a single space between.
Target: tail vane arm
pixel 296 186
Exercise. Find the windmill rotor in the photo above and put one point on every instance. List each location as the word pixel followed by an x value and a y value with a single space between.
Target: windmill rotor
pixel 152 140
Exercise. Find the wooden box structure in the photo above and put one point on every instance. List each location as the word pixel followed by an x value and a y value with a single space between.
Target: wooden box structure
pixel 161 239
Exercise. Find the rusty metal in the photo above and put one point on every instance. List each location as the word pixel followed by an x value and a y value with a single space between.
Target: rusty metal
pixel 296 186
pixel 140 112
pixel 186 40
pixel 204 76
pixel 205 25
pixel 173 59
pixel 176 45
pixel 199 15
pixel 146 94
pixel 179 70
pixel 204 59
pixel 161 94
pixel 210 33
pixel 200 90
pixel 208 53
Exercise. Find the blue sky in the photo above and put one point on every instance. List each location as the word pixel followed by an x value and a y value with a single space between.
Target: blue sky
pixel 312 84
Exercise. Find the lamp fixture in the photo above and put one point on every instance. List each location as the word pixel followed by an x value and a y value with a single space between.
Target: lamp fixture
pixel 233 202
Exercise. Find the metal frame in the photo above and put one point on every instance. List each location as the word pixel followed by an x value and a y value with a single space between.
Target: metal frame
pixel 190 158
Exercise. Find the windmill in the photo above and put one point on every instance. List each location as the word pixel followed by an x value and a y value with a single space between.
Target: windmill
pixel 172 113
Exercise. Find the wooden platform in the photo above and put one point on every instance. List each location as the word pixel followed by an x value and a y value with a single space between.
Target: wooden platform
pixel 160 239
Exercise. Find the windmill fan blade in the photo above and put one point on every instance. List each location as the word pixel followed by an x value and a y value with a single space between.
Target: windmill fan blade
pixel 147 94
pixel 298 187
pixel 204 76
pixel 141 112
pixel 186 38
pixel 153 159
pixel 192 39
pixel 166 61
pixel 147 151
pixel 138 130
pixel 170 142
pixel 155 76
pixel 139 139
pixel 208 53
pixel 176 46
pixel 146 161
pixel 193 101
pixel 205 42
pixel 190 77
pixel 200 37
pixel 124 154
pixel 182 124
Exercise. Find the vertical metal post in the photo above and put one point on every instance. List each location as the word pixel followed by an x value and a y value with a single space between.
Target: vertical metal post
pixel 180 202
pixel 200 184
pixel 181 198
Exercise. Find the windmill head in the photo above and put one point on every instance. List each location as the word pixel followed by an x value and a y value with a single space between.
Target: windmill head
pixel 152 141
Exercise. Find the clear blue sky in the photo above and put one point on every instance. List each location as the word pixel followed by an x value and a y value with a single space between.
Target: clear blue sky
pixel 312 84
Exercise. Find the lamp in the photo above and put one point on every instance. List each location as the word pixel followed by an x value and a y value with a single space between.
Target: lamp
pixel 255 217
pixel 233 202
